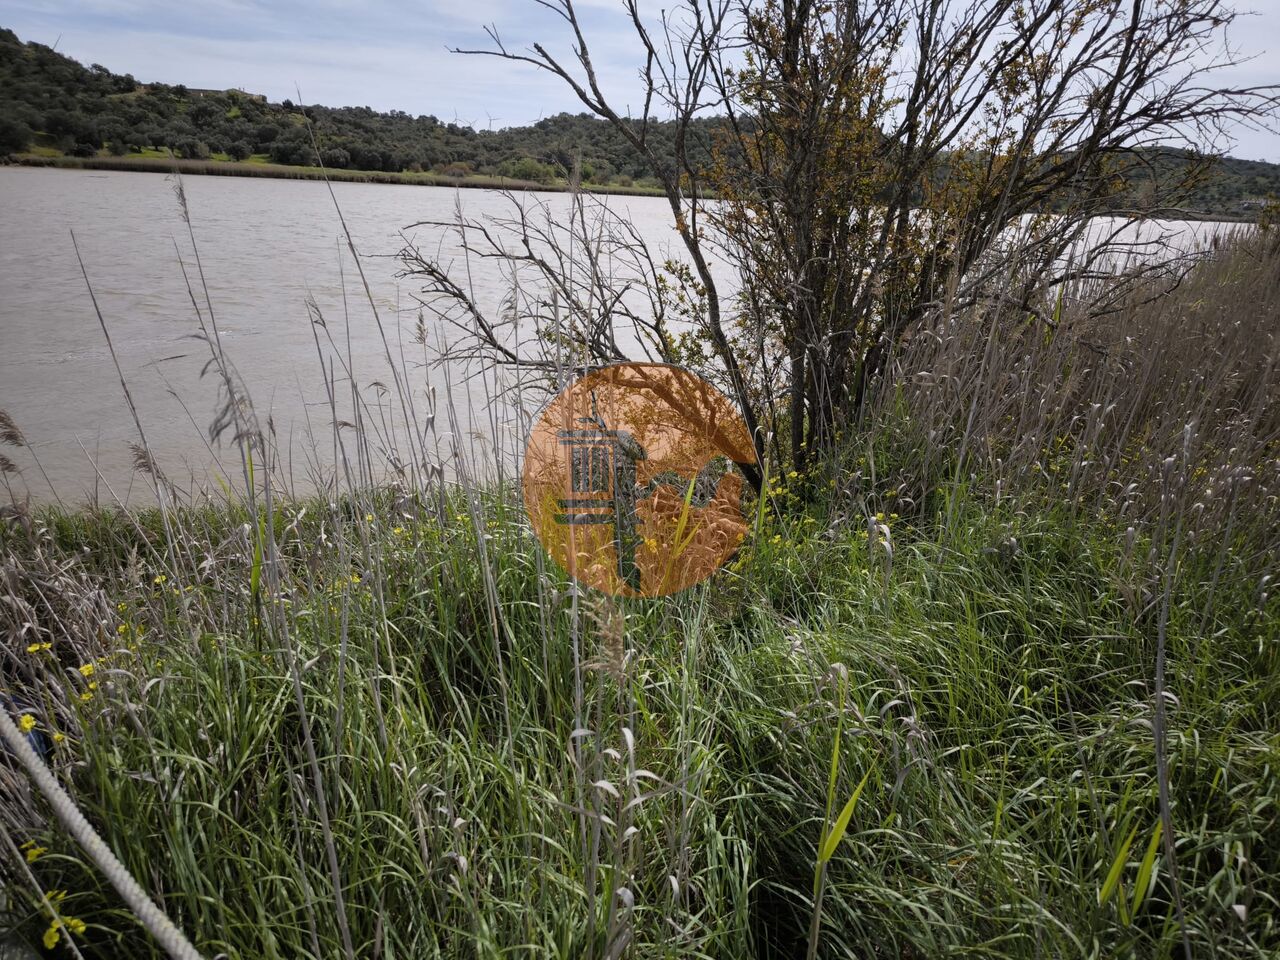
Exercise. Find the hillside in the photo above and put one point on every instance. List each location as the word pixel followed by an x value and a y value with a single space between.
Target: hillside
pixel 51 106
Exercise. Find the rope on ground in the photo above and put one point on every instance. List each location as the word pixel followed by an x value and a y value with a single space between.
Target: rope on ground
pixel 149 915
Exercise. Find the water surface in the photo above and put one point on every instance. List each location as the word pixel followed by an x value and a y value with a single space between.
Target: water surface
pixel 266 247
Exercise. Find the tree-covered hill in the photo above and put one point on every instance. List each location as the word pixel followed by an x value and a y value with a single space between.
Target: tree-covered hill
pixel 51 105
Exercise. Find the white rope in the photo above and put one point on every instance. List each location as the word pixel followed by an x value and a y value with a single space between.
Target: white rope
pixel 149 915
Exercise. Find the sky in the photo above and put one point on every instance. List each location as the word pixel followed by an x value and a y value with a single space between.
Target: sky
pixel 395 55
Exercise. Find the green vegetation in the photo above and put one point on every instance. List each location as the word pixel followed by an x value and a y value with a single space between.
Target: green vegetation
pixel 49 100
pixel 50 105
pixel 155 161
pixel 994 675
pixel 375 724
pixel 998 703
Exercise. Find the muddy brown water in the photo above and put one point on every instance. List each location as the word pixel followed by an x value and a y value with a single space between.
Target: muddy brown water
pixel 266 247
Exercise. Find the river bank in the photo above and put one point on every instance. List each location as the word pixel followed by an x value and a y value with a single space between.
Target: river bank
pixel 237 168
pixel 994 699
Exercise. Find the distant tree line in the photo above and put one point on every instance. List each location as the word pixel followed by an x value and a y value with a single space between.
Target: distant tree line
pixel 50 102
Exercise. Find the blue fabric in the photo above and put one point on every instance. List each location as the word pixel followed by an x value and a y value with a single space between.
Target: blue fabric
pixel 39 740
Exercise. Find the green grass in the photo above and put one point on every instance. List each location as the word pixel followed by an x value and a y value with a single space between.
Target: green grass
pixel 996 702
pixel 382 726
pixel 151 160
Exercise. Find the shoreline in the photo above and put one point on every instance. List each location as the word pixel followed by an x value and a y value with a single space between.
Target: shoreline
pixel 276 171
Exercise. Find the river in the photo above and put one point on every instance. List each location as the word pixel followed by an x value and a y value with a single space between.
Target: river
pixel 265 247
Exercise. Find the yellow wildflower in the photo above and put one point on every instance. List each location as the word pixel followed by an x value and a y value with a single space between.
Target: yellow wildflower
pixel 86 669
pixel 74 924
pixel 86 697
pixel 122 629
pixel 37 647
pixel 34 853
pixel 52 936
pixel 26 723
pixel 59 737
pixel 369 517
pixel 160 578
